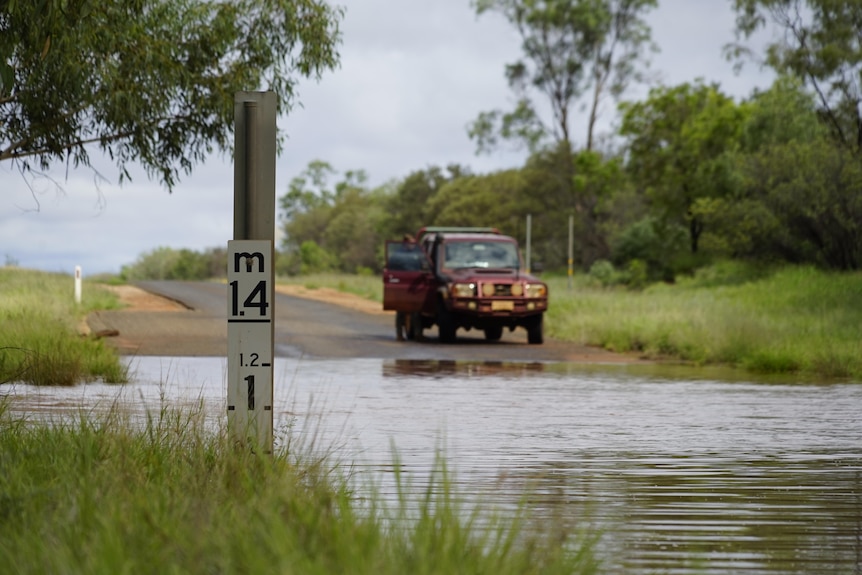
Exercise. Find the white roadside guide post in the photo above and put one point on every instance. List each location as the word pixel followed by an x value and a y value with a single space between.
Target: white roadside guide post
pixel 77 284
pixel 251 273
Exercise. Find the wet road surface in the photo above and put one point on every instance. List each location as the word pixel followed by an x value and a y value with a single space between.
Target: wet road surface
pixel 313 329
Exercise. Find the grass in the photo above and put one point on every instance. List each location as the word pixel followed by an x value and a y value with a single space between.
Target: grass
pixel 106 496
pixel 789 320
pixel 367 286
pixel 795 319
pixel 39 343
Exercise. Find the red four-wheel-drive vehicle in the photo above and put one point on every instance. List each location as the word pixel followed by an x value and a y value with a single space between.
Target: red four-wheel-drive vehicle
pixel 461 278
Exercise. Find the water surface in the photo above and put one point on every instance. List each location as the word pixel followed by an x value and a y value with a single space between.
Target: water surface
pixel 681 471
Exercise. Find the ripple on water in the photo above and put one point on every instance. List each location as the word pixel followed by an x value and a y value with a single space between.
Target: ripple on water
pixel 681 472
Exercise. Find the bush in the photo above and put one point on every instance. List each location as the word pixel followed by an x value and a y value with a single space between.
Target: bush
pixel 315 259
pixel 166 263
pixel 604 272
pixel 655 244
pixel 636 274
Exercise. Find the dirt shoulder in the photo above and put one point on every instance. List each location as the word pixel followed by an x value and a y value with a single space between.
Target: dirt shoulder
pixel 134 299
pixel 329 295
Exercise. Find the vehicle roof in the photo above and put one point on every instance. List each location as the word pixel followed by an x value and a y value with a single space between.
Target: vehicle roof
pixel 455 229
pixel 463 233
pixel 460 236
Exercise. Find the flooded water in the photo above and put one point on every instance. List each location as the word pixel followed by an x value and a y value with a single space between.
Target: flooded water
pixel 680 471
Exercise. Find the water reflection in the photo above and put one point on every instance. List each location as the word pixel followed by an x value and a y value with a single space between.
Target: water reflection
pixel 447 368
pixel 680 472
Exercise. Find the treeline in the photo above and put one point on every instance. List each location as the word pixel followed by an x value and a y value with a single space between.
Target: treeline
pixel 164 263
pixel 695 177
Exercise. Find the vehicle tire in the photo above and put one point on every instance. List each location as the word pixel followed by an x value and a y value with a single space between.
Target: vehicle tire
pixel 536 330
pixel 414 326
pixel 494 333
pixel 445 325
pixel 399 326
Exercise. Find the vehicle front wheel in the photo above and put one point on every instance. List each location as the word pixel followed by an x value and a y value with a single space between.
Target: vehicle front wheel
pixel 536 330
pixel 445 325
pixel 493 333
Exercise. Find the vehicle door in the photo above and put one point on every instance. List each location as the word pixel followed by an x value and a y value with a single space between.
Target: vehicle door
pixel 407 277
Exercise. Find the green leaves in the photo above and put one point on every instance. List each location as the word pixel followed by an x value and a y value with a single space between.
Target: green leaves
pixel 821 44
pixel 149 81
pixel 568 47
pixel 678 140
pixel 7 79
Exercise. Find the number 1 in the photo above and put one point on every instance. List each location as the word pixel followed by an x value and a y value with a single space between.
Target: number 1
pixel 250 381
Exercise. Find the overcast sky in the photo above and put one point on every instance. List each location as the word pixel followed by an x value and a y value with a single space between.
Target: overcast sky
pixel 413 74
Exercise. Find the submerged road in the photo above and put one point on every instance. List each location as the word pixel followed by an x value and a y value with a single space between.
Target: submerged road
pixel 309 328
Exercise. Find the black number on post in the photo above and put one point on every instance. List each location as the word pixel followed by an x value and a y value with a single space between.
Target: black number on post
pixel 262 304
pixel 250 381
pixel 234 303
pixel 258 293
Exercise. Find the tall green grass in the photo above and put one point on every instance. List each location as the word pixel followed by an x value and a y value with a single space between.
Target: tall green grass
pixel 795 319
pixel 39 343
pixel 106 496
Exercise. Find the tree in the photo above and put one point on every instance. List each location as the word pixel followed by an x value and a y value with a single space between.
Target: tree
pixel 799 192
pixel 568 46
pixel 597 184
pixel 148 81
pixel 408 207
pixel 814 190
pixel 678 141
pixel 482 200
pixel 744 223
pixel 822 45
pixel 330 225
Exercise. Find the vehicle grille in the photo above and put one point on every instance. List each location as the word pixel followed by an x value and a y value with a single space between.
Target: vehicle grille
pixel 502 289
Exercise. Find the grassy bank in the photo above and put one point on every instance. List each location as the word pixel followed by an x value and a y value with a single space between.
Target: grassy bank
pixel 790 320
pixel 769 321
pixel 39 343
pixel 106 497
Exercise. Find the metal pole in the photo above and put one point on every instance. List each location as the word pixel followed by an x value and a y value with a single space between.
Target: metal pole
pixel 529 232
pixel 571 248
pixel 251 272
pixel 254 166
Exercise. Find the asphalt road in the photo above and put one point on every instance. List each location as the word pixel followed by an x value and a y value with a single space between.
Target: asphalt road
pixel 308 328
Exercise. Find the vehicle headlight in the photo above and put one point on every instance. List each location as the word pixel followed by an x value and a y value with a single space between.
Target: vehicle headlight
pixel 517 290
pixel 488 289
pixel 536 290
pixel 463 290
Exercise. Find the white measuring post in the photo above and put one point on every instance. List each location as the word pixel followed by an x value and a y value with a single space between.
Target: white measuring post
pixel 250 342
pixel 77 284
pixel 251 273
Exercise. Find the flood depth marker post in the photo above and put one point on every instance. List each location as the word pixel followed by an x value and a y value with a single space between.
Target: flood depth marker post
pixel 77 284
pixel 251 273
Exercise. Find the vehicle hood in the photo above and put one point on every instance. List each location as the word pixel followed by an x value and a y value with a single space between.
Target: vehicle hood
pixel 503 275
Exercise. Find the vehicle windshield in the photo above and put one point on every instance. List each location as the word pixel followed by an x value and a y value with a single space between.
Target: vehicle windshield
pixel 480 254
